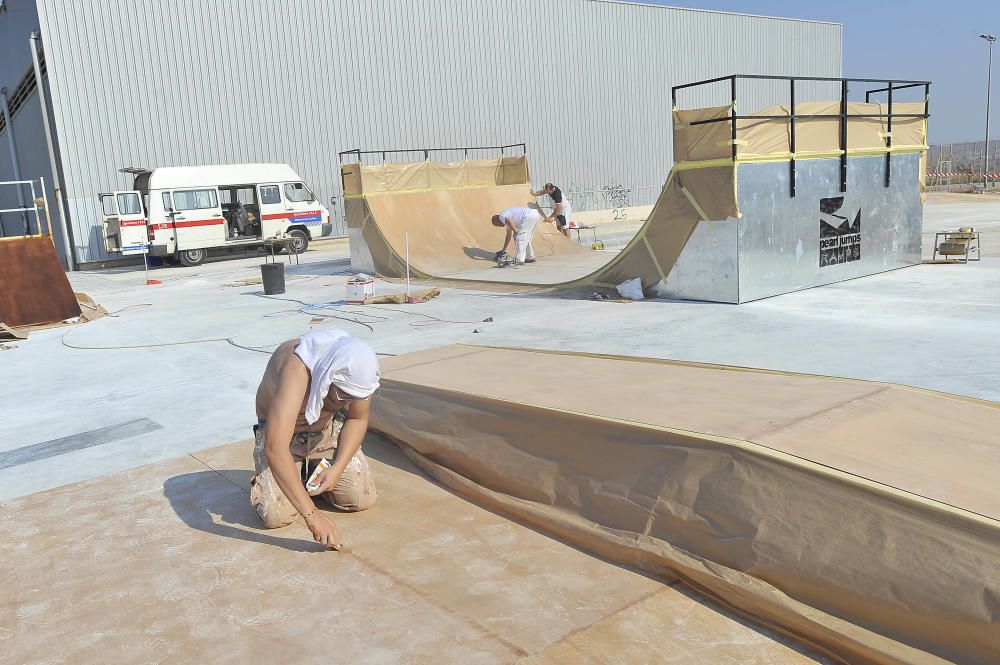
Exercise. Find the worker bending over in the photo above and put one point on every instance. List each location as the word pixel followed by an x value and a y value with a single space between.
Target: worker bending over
pixel 561 207
pixel 313 403
pixel 520 224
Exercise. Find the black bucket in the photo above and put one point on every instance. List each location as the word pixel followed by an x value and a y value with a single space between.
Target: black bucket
pixel 273 277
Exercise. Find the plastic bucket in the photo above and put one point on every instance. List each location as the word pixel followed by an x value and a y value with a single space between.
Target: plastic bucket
pixel 273 277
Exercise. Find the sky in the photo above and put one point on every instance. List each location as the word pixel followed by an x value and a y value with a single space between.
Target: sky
pixel 923 40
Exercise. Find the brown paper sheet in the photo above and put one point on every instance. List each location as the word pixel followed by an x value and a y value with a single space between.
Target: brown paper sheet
pixel 825 508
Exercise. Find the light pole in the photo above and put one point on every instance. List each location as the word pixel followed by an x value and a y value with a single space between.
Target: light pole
pixel 989 80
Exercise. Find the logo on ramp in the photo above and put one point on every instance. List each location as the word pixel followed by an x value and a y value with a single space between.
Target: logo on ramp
pixel 838 242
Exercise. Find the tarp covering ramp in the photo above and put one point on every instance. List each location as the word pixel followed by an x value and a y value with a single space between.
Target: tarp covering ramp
pixel 861 518
pixel 444 208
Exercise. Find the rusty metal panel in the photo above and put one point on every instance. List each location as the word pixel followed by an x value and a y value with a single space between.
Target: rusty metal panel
pixel 33 287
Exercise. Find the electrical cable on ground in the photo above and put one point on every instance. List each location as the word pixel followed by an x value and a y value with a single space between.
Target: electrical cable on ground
pixel 306 308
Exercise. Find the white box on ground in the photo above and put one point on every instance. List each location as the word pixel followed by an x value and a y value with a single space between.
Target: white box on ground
pixel 359 289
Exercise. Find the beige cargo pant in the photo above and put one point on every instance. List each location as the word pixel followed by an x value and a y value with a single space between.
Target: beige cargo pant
pixel 354 491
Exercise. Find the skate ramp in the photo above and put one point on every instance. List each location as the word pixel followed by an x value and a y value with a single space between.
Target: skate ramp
pixel 761 241
pixel 862 518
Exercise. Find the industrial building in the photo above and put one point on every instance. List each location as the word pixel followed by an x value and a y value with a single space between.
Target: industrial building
pixel 146 83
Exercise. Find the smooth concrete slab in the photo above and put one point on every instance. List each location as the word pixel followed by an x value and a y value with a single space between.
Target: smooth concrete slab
pixel 163 355
pixel 167 563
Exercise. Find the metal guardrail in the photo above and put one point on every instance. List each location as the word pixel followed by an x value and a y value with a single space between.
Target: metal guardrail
pixel 24 212
pixel 843 116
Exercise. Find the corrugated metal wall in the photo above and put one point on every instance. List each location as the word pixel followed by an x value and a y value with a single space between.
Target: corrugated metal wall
pixel 585 83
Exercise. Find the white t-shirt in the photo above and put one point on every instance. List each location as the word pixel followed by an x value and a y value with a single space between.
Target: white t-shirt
pixel 517 216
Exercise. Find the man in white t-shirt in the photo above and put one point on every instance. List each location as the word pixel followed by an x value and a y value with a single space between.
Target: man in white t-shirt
pixel 520 224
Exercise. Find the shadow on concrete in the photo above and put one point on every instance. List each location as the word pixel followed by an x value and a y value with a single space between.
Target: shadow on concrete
pixel 479 254
pixel 209 501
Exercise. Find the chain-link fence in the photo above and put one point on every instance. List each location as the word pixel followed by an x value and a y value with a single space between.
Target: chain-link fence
pixel 613 197
pixel 959 166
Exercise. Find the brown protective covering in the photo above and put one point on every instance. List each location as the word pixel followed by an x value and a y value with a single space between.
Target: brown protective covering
pixel 443 206
pixel 769 138
pixel 449 229
pixel 450 233
pixel 33 287
pixel 863 518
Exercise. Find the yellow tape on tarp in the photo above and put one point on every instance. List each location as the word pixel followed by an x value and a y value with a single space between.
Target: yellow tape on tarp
pixel 652 255
pixel 694 204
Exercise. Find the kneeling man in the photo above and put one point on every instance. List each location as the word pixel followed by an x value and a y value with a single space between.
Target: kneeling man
pixel 313 403
pixel 520 224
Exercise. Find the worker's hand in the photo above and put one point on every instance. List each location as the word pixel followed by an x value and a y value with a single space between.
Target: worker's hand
pixel 323 530
pixel 327 479
pixel 498 255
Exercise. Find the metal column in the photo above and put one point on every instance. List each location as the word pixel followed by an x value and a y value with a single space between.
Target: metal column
pixel 56 180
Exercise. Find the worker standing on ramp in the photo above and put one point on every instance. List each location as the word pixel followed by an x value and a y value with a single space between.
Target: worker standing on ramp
pixel 561 209
pixel 520 224
pixel 313 405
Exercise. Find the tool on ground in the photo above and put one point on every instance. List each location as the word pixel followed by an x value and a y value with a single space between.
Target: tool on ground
pixel 360 288
pixel 504 260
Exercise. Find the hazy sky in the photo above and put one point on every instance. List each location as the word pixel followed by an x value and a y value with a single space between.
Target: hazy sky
pixel 917 39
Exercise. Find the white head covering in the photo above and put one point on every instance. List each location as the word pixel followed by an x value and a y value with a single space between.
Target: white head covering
pixel 334 357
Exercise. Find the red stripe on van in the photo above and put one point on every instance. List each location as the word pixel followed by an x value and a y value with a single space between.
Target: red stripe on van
pixel 186 224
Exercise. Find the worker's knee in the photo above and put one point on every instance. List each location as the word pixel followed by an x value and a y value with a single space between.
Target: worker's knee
pixel 355 489
pixel 273 509
pixel 352 499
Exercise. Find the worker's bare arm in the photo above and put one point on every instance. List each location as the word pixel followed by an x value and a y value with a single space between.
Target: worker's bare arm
pixel 281 416
pixel 351 435
pixel 510 233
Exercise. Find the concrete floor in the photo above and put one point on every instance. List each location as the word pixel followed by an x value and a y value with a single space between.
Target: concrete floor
pixel 158 382
pixel 111 408
pixel 167 563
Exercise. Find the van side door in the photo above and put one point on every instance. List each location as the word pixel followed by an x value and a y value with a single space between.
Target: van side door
pixel 273 217
pixel 197 218
pixel 124 222
pixel 131 223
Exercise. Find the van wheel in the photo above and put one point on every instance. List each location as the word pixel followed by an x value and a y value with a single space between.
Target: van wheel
pixel 192 257
pixel 300 240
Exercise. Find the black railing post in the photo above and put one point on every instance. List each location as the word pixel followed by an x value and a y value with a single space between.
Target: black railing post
pixel 888 141
pixel 843 135
pixel 791 138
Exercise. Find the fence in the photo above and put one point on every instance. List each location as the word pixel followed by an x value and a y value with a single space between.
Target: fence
pixel 26 219
pixel 959 166
pixel 612 197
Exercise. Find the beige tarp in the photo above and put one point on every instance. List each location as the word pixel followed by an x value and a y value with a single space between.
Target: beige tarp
pixel 450 231
pixel 446 207
pixel 770 138
pixel 862 518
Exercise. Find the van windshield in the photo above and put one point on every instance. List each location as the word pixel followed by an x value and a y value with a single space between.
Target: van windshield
pixel 195 199
pixel 297 192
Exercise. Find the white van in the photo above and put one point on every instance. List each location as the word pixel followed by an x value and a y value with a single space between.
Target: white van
pixel 191 209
